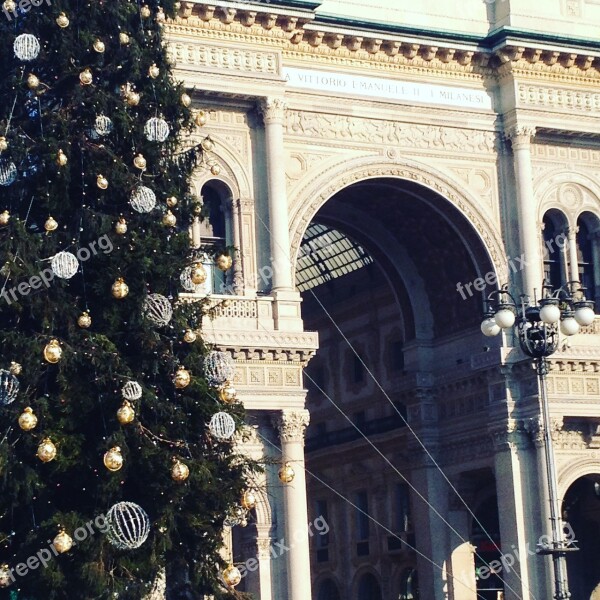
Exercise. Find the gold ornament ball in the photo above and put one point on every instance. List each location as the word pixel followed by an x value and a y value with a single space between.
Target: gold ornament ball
pixel 232 576
pixel 50 224
pixel 86 77
pixel 113 459
pixel 102 182
pixel 46 451
pixel 180 471
pixel 99 46
pixel 189 336
pixel 223 262
pixel 52 352
pixel 286 473
pixel 61 159
pixel 62 20
pixel 27 420
pixel 139 162
pixel 248 500
pixel 3 144
pixel 185 99
pixel 32 81
pixel 182 378
pixel 63 542
pixel 6 577
pixel 215 169
pixel 133 98
pixel 84 321
pixel 15 368
pixel 121 226
pixel 145 11
pixel 198 274
pixel 227 393
pixel 201 118
pixel 169 219
pixel 125 414
pixel 207 144
pixel 153 71
pixel 120 289
pixel 9 5
pixel 123 39
pixel 171 201
pixel 4 217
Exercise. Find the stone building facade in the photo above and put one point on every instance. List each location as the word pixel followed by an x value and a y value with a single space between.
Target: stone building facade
pixel 454 146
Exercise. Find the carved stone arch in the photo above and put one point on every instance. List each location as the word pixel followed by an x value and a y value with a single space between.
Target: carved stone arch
pixel 573 470
pixel 360 573
pixel 324 577
pixel 263 511
pixel 323 186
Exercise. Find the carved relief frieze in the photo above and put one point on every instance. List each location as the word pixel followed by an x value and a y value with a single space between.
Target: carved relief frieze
pixel 559 98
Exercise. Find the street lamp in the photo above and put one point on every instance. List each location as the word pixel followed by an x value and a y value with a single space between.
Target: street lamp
pixel 537 326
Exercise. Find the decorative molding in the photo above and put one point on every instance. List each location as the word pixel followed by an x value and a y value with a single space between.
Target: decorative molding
pixel 273 110
pixel 559 98
pixel 292 424
pixel 520 135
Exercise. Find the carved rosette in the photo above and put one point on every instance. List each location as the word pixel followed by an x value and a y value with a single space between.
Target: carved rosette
pixel 292 425
pixel 273 110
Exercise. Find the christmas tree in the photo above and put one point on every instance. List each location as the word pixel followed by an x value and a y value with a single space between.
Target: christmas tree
pixel 116 459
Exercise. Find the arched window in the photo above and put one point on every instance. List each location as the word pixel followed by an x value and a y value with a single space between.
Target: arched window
pixel 587 255
pixel 409 585
pixel 368 588
pixel 554 236
pixel 328 591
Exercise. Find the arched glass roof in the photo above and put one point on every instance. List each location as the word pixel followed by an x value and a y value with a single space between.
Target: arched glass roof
pixel 326 254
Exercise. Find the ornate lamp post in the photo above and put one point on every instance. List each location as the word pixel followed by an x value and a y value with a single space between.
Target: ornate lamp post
pixel 537 325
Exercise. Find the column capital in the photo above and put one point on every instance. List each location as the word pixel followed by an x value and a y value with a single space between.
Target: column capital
pixel 272 109
pixel 520 135
pixel 292 424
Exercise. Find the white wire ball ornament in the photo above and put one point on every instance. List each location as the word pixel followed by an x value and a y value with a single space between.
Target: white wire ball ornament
pixel 132 390
pixel 128 526
pixel 8 172
pixel 9 387
pixel 156 129
pixel 157 309
pixel 218 368
pixel 26 47
pixel 143 199
pixel 222 426
pixel 102 125
pixel 64 265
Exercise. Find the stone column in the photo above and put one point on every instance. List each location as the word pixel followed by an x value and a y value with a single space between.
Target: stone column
pixel 233 213
pixel 291 425
pixel 573 262
pixel 263 544
pixel 529 234
pixel 273 111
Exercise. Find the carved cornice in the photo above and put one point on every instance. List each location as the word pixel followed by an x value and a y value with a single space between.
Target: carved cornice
pixel 292 424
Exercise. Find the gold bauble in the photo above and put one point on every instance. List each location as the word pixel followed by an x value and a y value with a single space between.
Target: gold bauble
pixel 121 226
pixel 123 39
pixel 207 144
pixel 113 459
pixel 232 576
pixel 50 224
pixel 198 274
pixel 182 378
pixel 227 393
pixel 62 20
pixel 153 71
pixel 27 420
pixel 9 5
pixel 6 577
pixel 223 262
pixel 286 473
pixel 201 118
pixel 248 500
pixel 125 414
pixel 52 352
pixel 15 368
pixel 190 336
pixel 4 217
pixel 46 450
pixel 32 81
pixel 120 289
pixel 185 99
pixel 133 98
pixel 145 11
pixel 3 144
pixel 61 159
pixel 171 201
pixel 99 46
pixel 215 169
pixel 179 471
pixel 169 219
pixel 139 162
pixel 63 542
pixel 86 77
pixel 84 321
pixel 102 182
